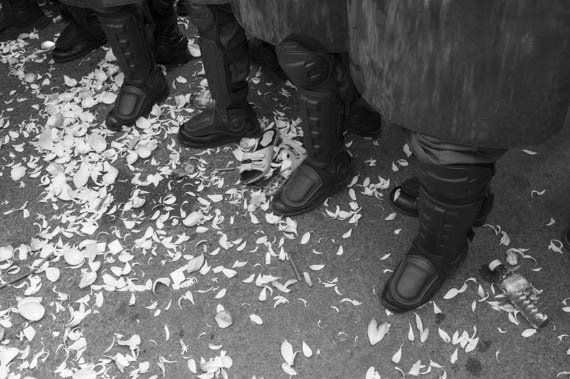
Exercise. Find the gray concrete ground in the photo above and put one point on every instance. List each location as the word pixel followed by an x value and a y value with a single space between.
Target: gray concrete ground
pixel 125 292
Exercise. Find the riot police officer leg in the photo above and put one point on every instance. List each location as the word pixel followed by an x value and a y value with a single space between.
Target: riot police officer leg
pixel 170 46
pixel 404 199
pixel 324 89
pixel 224 53
pixel 20 16
pixel 450 198
pixel 144 83
pixel 81 35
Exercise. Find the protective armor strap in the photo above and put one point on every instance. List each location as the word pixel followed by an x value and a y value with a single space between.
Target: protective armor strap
pixel 224 52
pixel 324 88
pixel 450 199
pixel 125 31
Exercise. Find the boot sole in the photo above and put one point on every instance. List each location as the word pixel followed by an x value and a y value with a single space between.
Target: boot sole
pixel 198 145
pixel 319 201
pixel 79 55
pixel 201 144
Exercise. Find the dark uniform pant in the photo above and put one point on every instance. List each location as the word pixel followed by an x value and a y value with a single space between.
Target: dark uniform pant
pixel 436 151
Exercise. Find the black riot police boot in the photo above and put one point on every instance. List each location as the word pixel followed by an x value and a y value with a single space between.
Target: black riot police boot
pixel 224 53
pixel 170 47
pixel 144 83
pixel 324 91
pixel 20 16
pixel 81 35
pixel 450 197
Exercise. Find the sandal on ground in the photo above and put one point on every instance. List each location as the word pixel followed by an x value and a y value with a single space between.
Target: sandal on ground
pixel 290 155
pixel 255 155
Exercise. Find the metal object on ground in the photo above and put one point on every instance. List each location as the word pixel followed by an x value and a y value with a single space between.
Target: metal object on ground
pixel 521 294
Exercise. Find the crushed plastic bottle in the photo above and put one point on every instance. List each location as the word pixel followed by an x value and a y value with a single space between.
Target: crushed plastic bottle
pixel 522 295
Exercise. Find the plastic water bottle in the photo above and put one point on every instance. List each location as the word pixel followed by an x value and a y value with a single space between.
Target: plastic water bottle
pixel 520 292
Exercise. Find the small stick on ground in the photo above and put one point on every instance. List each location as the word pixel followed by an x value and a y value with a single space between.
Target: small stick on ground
pixel 33 270
pixel 297 273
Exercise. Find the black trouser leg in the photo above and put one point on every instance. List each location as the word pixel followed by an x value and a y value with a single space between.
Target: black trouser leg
pixel 81 35
pixel 224 53
pixel 144 84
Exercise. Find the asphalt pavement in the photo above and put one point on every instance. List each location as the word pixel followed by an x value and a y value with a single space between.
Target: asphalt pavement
pixel 127 255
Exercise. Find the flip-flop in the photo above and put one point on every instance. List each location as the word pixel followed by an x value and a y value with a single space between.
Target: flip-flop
pixel 290 155
pixel 255 155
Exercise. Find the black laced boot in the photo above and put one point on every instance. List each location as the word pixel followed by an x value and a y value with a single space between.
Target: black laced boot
pixel 450 197
pixel 20 16
pixel 224 53
pixel 144 84
pixel 262 53
pixel 363 120
pixel 81 35
pixel 324 90
pixel 170 46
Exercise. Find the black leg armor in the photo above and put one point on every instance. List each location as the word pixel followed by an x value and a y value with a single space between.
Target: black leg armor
pixel 324 92
pixel 450 198
pixel 361 120
pixel 144 84
pixel 170 46
pixel 224 53
pixel 82 35
pixel 406 201
pixel 20 16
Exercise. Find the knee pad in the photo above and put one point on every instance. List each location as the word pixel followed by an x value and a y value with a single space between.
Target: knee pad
pixel 308 67
pixel 456 183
